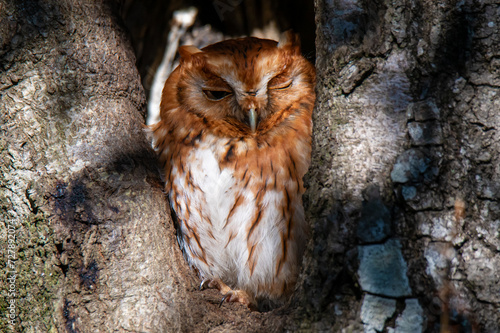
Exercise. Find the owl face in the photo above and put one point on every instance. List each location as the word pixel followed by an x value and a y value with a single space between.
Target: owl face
pixel 243 82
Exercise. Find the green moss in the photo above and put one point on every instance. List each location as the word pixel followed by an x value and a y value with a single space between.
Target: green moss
pixel 37 280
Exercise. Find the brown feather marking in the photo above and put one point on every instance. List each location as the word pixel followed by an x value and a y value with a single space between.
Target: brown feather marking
pixel 229 154
pixel 231 237
pixel 293 163
pixel 248 180
pixel 289 225
pixel 175 204
pixel 251 261
pixel 237 202
pixel 288 200
pixel 161 144
pixel 259 196
pixel 184 140
pixel 197 239
pixel 255 223
pixel 188 210
pixel 181 164
pixel 186 239
pixel 284 248
pixel 290 172
pixel 296 175
pixel 204 217
pixel 202 258
pixel 196 138
pixel 210 233
pixel 190 182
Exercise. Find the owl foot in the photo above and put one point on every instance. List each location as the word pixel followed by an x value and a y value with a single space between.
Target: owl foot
pixel 239 296
pixel 214 284
pixel 230 295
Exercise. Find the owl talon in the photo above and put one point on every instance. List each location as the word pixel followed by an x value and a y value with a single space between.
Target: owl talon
pixel 203 283
pixel 222 301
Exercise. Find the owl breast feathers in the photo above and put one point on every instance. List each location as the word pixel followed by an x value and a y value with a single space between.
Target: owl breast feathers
pixel 234 141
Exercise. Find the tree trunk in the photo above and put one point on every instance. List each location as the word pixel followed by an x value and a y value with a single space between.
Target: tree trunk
pixel 403 190
pixel 402 193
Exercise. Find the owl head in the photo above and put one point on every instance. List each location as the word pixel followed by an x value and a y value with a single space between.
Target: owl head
pixel 242 83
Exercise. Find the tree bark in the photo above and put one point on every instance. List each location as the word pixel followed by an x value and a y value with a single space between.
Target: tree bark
pixel 403 192
pixel 94 246
pixel 403 189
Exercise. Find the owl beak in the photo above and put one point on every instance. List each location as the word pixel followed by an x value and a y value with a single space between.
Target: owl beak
pixel 252 118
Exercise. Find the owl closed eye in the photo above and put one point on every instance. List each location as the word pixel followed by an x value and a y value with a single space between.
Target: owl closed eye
pixel 234 141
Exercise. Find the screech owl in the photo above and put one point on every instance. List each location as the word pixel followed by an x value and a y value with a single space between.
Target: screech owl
pixel 234 141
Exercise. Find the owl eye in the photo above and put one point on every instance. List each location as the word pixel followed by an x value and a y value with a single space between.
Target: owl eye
pixel 216 95
pixel 280 85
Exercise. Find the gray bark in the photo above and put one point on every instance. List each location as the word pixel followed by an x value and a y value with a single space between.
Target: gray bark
pixel 403 186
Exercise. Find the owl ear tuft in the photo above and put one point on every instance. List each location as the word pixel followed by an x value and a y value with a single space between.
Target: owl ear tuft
pixel 289 40
pixel 188 51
